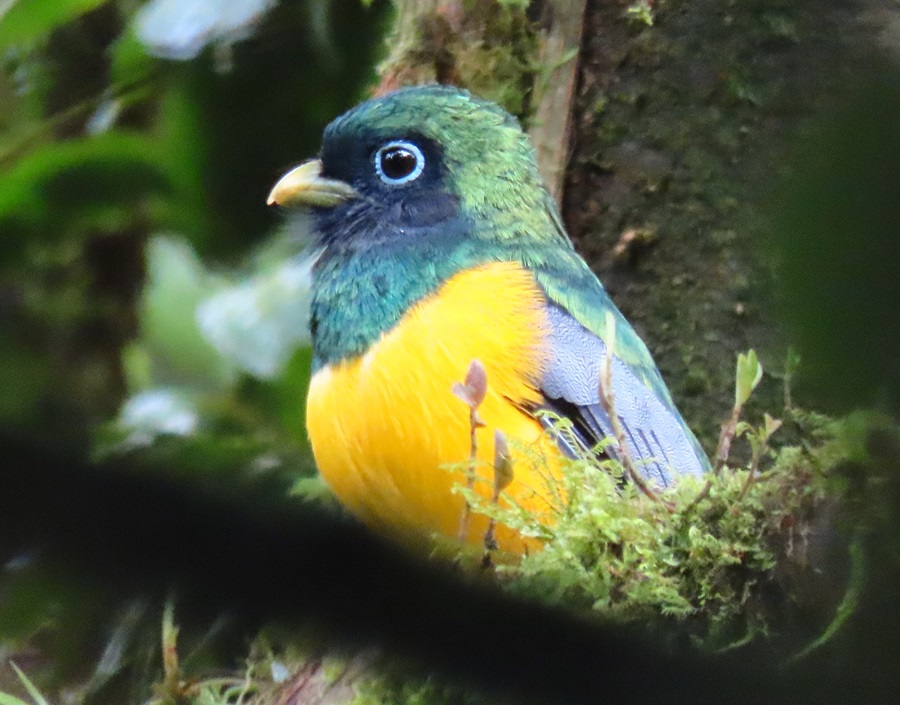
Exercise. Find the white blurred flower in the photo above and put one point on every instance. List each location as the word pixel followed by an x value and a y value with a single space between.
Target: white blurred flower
pixel 257 325
pixel 180 29
pixel 158 412
pixel 280 672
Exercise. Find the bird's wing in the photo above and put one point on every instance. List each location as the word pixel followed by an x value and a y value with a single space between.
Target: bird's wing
pixel 657 437
pixel 568 281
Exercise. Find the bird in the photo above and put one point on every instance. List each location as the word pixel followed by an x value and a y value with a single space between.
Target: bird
pixel 438 248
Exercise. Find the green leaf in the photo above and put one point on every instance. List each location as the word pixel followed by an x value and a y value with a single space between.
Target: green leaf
pixel 748 374
pixel 129 63
pixel 742 428
pixel 771 425
pixel 59 184
pixel 26 185
pixel 27 20
pixel 792 361
pixel 313 489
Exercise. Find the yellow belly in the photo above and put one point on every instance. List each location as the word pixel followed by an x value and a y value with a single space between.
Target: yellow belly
pixel 385 426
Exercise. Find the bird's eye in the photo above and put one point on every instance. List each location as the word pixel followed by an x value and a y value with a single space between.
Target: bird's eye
pixel 399 162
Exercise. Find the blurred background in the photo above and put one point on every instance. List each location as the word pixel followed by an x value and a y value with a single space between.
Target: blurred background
pixel 140 262
pixel 151 305
pixel 729 169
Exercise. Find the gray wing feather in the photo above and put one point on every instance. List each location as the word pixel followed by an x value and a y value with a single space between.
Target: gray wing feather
pixel 658 439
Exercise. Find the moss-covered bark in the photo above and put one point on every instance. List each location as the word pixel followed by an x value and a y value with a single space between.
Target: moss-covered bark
pixel 683 114
pixel 683 131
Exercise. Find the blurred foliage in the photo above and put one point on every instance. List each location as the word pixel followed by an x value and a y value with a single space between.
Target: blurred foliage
pixel 29 22
pixel 837 240
pixel 138 141
pixel 102 145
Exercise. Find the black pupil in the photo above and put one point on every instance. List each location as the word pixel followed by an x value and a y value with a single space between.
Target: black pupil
pixel 397 162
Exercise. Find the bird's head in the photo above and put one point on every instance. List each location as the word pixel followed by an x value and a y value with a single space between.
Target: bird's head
pixel 417 158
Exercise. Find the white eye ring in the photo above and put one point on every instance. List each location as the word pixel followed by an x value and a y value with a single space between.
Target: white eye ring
pixel 400 151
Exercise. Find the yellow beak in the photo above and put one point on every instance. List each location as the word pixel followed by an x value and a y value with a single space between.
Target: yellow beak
pixel 305 186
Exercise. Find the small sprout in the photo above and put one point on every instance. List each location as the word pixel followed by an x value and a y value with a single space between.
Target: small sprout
pixel 748 374
pixel 791 364
pixel 472 392
pixel 474 389
pixel 742 429
pixel 759 444
pixel 171 668
pixel 771 425
pixel 503 465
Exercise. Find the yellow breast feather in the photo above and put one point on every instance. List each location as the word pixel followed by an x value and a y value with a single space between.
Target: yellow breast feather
pixel 384 426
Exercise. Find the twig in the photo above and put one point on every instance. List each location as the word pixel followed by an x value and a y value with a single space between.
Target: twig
pixel 554 90
pixel 470 474
pixel 748 373
pixel 751 474
pixel 503 476
pixel 701 495
pixel 759 443
pixel 36 134
pixel 723 450
pixel 472 393
pixel 726 436
pixel 607 400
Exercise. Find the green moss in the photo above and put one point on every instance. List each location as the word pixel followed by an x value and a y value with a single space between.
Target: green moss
pixel 490 48
pixel 714 564
pixel 702 560
pixel 696 381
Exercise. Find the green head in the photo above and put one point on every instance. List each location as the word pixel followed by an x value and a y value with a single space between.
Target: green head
pixel 415 144
pixel 411 188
